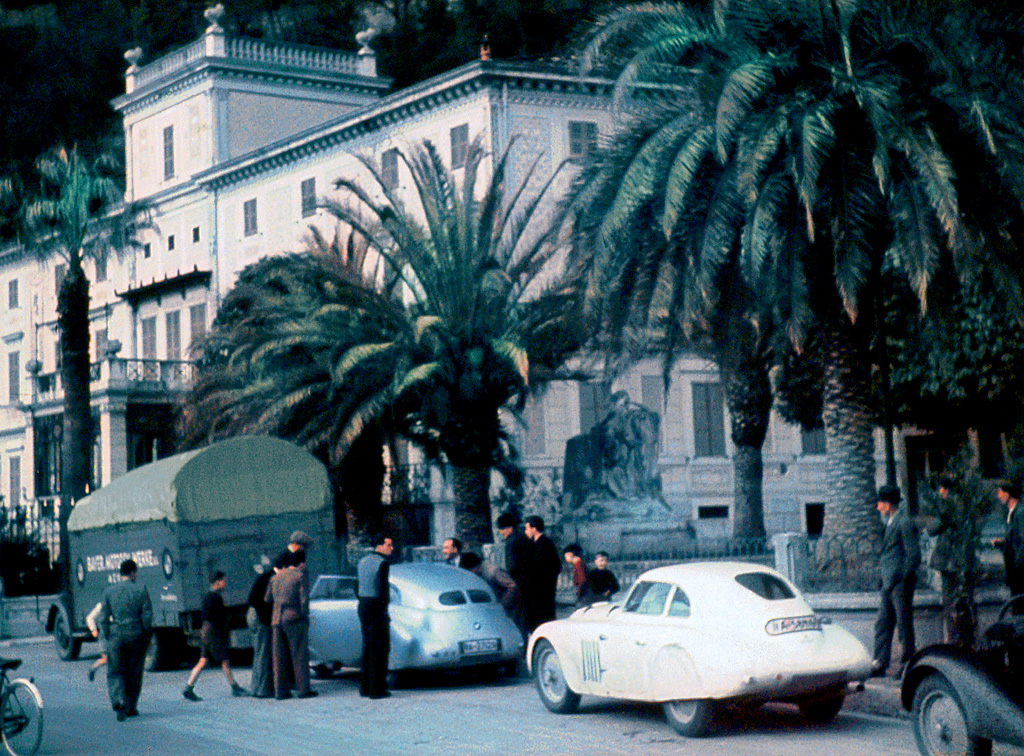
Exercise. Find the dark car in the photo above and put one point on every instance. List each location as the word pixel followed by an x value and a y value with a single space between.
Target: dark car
pixel 963 700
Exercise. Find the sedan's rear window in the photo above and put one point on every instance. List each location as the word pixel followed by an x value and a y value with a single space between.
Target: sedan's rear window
pixel 479 597
pixel 452 598
pixel 765 585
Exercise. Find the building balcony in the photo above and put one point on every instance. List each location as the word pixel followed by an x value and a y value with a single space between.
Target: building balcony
pixel 124 375
pixel 215 46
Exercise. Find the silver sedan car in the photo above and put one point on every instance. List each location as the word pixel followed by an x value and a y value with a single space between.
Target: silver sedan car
pixel 442 617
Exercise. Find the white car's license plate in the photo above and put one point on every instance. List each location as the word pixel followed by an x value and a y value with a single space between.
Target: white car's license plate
pixel 793 624
pixel 484 646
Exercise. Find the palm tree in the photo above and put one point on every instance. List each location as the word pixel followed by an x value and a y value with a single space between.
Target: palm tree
pixel 73 219
pixel 456 327
pixel 839 142
pixel 641 282
pixel 273 300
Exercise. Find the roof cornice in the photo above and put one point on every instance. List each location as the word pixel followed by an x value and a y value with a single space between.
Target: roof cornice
pixel 525 82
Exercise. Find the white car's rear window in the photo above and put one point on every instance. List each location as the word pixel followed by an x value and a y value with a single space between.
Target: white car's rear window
pixel 765 585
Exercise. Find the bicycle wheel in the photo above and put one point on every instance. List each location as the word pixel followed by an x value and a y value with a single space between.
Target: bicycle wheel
pixel 22 728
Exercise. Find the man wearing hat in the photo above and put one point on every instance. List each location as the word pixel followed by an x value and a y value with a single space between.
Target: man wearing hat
pixel 1012 543
pixel 898 563
pixel 299 541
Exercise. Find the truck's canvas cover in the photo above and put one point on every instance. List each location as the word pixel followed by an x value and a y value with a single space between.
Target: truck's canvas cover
pixel 242 477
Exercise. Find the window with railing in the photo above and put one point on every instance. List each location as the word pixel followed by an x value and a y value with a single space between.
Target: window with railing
pixel 172 325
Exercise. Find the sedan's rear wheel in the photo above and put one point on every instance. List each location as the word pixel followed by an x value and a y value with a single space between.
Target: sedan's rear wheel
pixel 691 718
pixel 940 725
pixel 554 691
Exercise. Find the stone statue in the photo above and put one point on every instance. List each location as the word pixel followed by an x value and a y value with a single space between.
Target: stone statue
pixel 617 458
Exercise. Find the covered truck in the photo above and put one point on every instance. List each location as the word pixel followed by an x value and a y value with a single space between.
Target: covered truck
pixel 221 507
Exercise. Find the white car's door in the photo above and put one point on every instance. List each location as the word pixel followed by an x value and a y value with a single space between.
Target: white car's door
pixel 628 643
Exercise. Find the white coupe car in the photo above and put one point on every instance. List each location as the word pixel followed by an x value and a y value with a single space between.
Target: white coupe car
pixel 694 636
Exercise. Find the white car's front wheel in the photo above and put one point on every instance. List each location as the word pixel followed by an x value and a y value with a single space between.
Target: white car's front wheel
pixel 552 688
pixel 691 718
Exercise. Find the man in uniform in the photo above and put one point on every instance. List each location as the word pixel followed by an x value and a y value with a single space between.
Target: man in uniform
pixel 374 593
pixel 127 621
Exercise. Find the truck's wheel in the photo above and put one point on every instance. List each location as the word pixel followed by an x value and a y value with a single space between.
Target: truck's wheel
pixel 68 646
pixel 940 725
pixel 164 650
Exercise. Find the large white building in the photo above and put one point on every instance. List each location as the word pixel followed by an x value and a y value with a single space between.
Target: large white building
pixel 231 141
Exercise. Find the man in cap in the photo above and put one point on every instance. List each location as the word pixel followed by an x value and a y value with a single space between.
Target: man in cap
pixel 127 621
pixel 300 541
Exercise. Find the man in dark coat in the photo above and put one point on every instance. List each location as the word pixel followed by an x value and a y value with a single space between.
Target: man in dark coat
pixel 542 582
pixel 127 621
pixel 517 563
pixel 898 563
pixel 261 617
pixel 1012 543
pixel 374 593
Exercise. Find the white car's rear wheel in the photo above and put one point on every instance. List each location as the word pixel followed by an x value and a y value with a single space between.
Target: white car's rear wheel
pixel 552 688
pixel 691 718
pixel 940 726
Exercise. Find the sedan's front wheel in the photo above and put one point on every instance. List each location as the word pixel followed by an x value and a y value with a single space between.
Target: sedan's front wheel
pixel 691 718
pixel 940 726
pixel 554 691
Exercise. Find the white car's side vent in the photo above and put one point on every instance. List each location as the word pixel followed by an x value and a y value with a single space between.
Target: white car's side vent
pixel 591 660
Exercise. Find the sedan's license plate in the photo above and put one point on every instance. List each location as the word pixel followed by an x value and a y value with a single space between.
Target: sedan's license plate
pixel 485 646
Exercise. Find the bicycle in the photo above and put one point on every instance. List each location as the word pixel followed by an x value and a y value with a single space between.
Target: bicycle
pixel 21 712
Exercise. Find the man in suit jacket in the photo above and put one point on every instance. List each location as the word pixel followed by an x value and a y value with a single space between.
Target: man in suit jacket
pixel 289 620
pixel 127 621
pixel 898 563
pixel 1012 543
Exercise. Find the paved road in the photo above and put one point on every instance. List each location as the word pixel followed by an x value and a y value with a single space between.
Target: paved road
pixel 436 715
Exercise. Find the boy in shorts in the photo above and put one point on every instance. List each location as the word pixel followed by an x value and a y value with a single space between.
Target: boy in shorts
pixel 214 636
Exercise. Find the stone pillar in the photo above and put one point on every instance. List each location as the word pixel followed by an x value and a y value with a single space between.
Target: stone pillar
pixel 791 556
pixel 113 442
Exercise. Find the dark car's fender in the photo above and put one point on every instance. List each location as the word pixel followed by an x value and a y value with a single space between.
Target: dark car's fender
pixel 990 713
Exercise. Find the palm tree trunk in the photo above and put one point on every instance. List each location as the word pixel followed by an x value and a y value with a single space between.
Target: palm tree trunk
pixel 849 436
pixel 749 397
pixel 361 478
pixel 76 449
pixel 472 504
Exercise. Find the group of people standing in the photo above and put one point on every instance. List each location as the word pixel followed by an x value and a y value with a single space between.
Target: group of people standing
pixel 954 557
pixel 528 584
